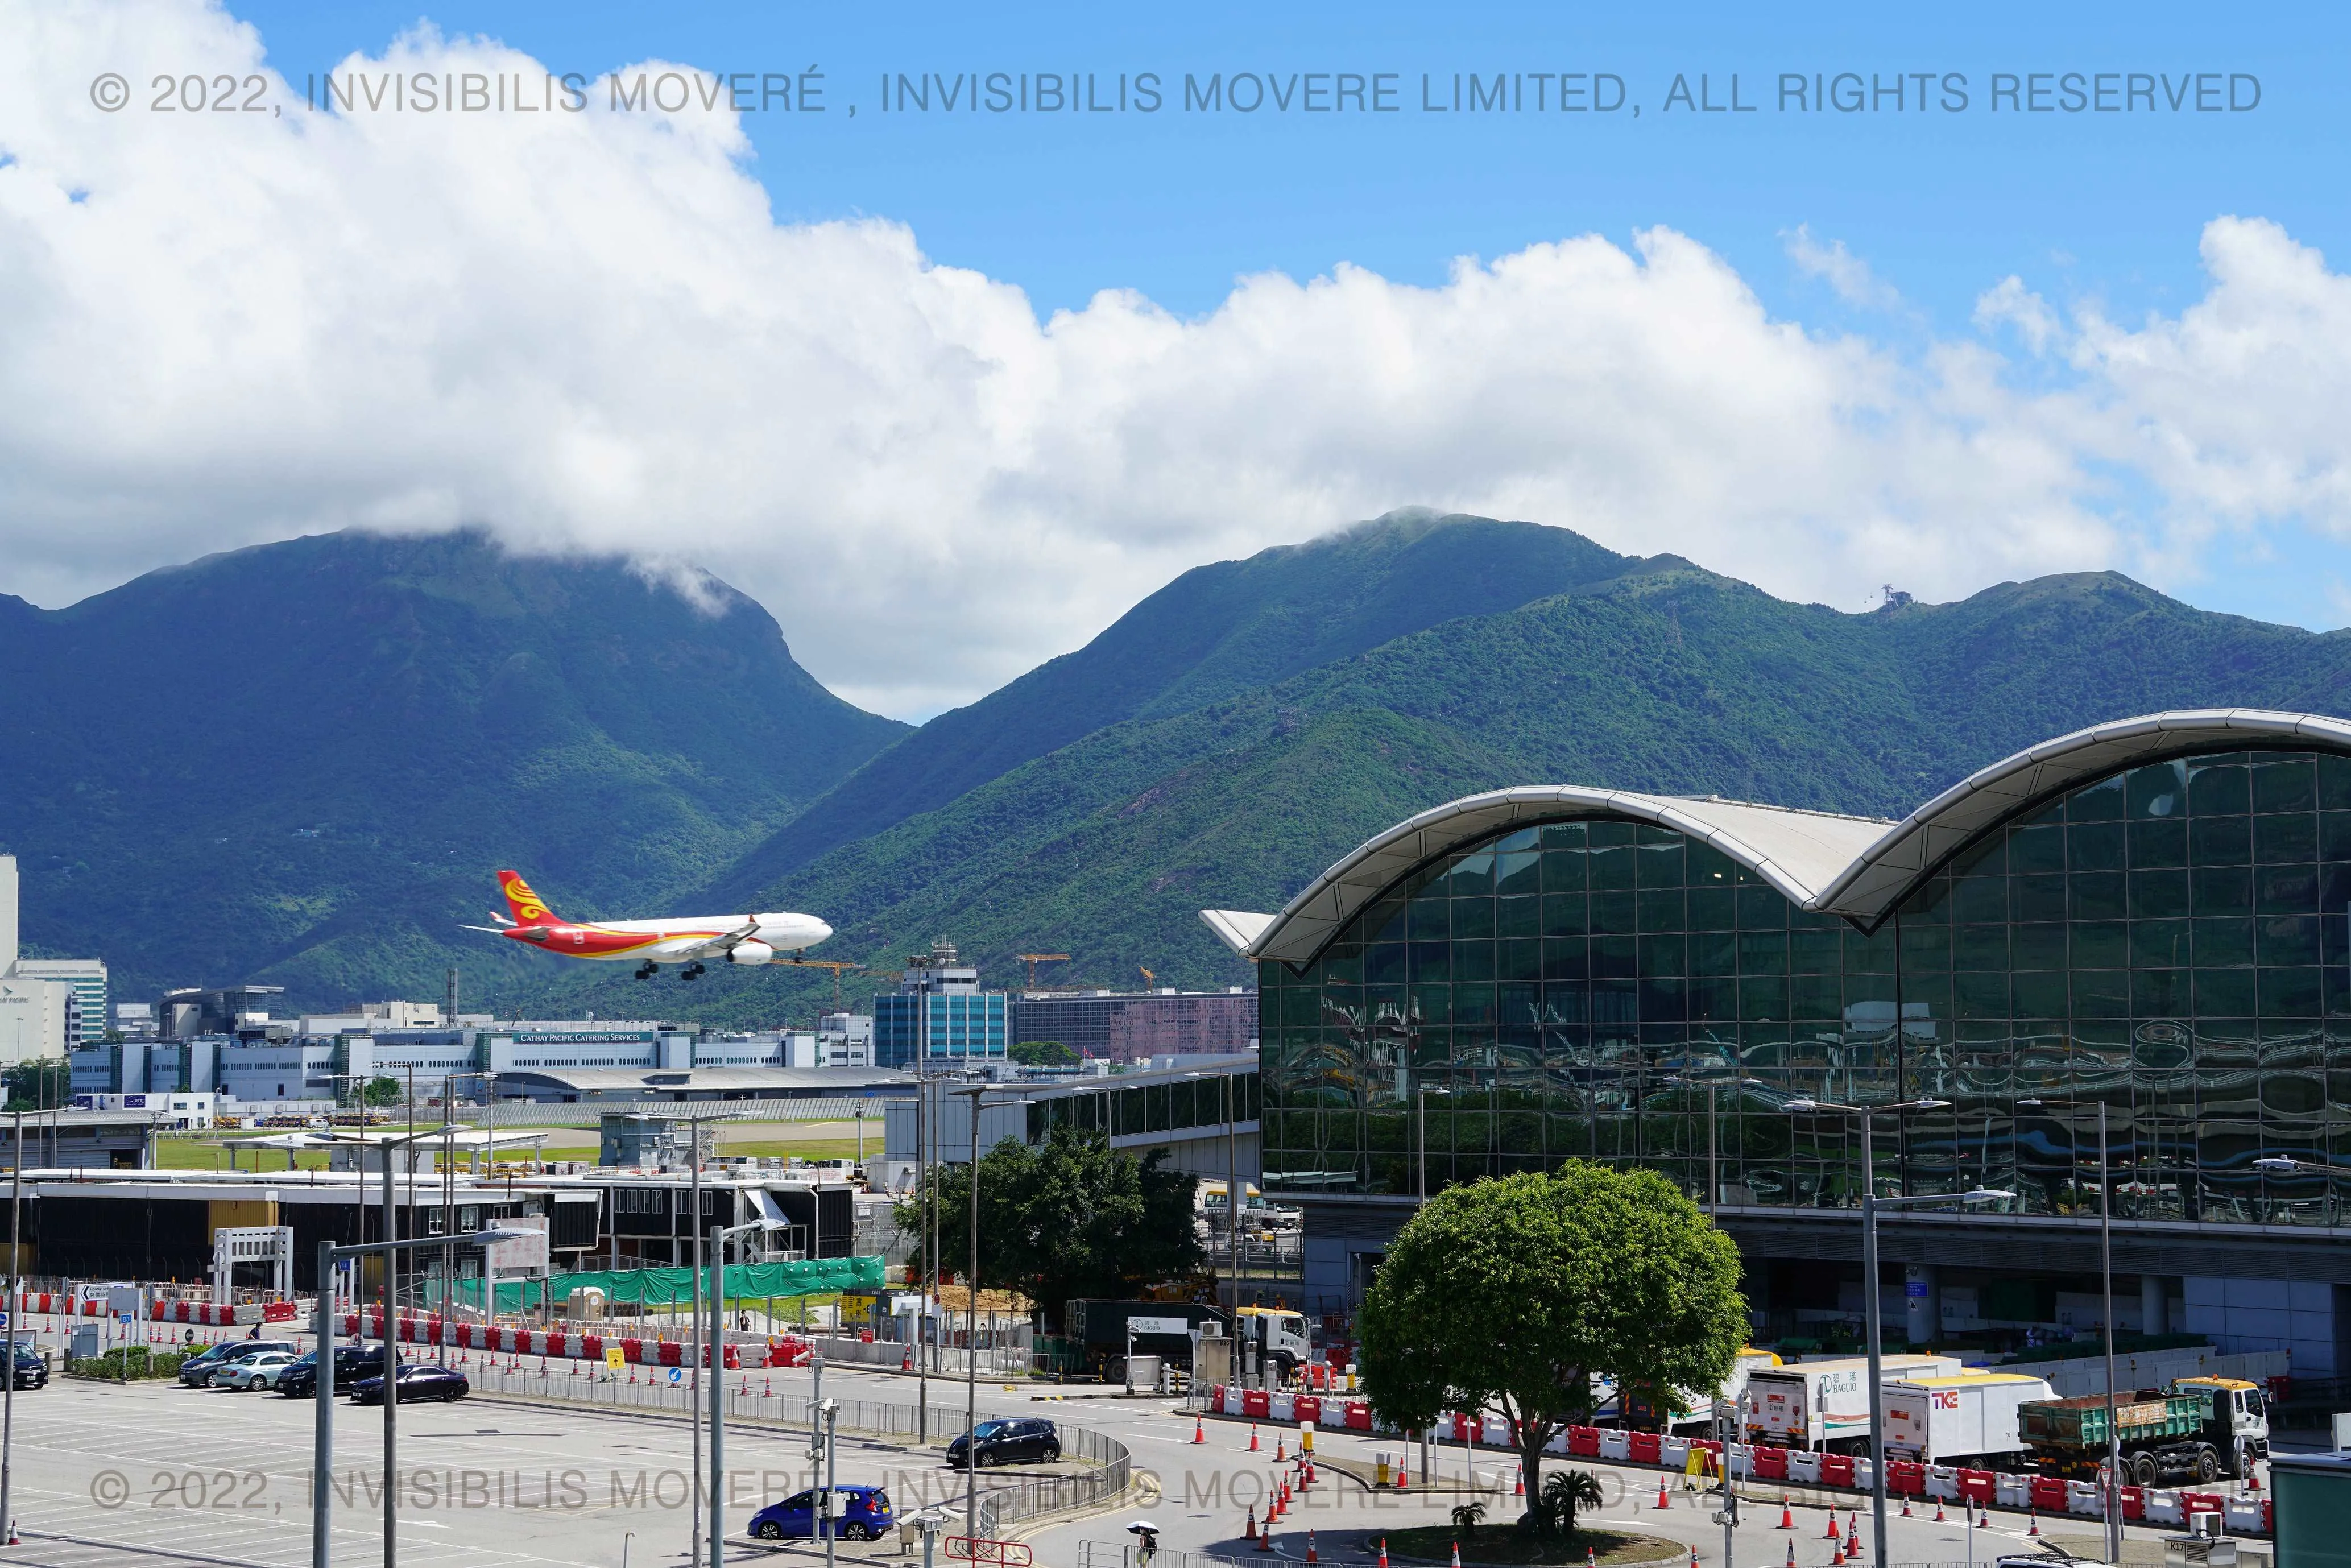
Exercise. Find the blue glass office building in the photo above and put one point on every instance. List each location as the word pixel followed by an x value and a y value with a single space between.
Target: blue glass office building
pixel 2152 916
pixel 917 1026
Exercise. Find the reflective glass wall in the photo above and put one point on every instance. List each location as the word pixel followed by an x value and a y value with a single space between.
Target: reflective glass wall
pixel 2170 942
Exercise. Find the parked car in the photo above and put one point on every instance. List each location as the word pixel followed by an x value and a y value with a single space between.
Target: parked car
pixel 32 1367
pixel 419 1383
pixel 353 1362
pixel 859 1513
pixel 1029 1441
pixel 196 1372
pixel 252 1372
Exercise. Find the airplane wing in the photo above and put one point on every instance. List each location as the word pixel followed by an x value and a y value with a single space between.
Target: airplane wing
pixel 719 947
pixel 493 930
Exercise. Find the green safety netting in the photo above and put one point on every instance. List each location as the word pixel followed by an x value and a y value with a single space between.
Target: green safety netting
pixel 668 1287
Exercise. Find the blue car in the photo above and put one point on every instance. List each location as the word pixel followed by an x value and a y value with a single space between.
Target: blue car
pixel 859 1513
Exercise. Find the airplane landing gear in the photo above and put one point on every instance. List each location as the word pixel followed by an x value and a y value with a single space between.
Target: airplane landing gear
pixel 690 971
pixel 647 971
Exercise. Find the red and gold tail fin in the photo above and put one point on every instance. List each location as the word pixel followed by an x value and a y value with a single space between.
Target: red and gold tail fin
pixel 527 908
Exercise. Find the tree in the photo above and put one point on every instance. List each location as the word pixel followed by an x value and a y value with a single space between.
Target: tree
pixel 1512 1295
pixel 1562 1496
pixel 38 1085
pixel 1071 1217
pixel 380 1092
pixel 1043 1053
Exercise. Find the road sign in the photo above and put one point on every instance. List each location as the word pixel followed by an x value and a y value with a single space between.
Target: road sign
pixel 1007 1554
pixel 615 1357
pixel 3 1320
pixel 677 1374
pixel 1158 1325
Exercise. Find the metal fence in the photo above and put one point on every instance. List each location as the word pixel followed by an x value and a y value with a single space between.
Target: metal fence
pixel 1033 1497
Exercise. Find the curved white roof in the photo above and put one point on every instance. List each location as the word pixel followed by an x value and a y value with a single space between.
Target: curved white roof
pixel 1858 867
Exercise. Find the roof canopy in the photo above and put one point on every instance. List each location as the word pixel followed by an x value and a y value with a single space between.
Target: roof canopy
pixel 1857 867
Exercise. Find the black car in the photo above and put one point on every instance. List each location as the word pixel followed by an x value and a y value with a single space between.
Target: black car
pixel 1031 1441
pixel 32 1368
pixel 353 1362
pixel 419 1383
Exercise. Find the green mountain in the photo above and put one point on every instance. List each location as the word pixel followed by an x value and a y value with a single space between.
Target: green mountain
pixel 301 763
pixel 1210 635
pixel 1665 678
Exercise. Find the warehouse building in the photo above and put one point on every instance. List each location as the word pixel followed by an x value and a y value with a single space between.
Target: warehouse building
pixel 2148 915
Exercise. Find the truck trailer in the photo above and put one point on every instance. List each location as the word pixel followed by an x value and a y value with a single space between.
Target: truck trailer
pixel 1969 1418
pixel 1106 1331
pixel 2200 1428
pixel 1826 1403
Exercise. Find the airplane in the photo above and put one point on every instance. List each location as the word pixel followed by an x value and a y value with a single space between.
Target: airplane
pixel 686 939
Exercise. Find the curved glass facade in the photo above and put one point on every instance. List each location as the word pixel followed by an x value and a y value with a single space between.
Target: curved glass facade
pixel 2171 941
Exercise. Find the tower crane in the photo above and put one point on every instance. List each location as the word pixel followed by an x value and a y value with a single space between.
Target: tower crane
pixel 1033 959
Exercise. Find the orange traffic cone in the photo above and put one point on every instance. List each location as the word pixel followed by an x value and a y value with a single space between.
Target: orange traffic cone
pixel 1199 1431
pixel 1265 1533
pixel 1906 1505
pixel 1311 1555
pixel 1456 1554
pixel 2252 1477
pixel 1938 1511
pixel 1983 1519
pixel 1404 1478
pixel 1384 1552
pixel 1252 1447
pixel 1662 1500
pixel 1834 1534
pixel 1838 1560
pixel 1281 1453
pixel 1590 1560
pixel 2033 1522
pixel 1520 1491
pixel 1853 1533
pixel 1787 1518
pixel 1248 1530
pixel 1693 1557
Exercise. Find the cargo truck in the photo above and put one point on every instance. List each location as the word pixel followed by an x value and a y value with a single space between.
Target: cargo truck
pixel 1826 1403
pixel 1969 1418
pixel 2200 1428
pixel 1105 1332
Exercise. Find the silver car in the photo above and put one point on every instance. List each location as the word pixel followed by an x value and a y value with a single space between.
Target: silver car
pixel 254 1371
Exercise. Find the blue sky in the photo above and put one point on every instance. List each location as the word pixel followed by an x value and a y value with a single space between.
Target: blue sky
pixel 1939 205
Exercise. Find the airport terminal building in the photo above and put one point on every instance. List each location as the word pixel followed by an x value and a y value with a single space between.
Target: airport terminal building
pixel 2153 915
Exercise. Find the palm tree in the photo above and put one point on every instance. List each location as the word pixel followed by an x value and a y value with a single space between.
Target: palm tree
pixel 1467 1516
pixel 1563 1494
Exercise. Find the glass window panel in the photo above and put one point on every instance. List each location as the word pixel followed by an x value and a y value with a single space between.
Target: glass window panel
pixel 1565 959
pixel 2285 784
pixel 2097 895
pixel 1473 1007
pixel 1813 952
pixel 2334 835
pixel 1663 1001
pixel 2095 846
pixel 2224 992
pixel 2101 994
pixel 2039 994
pixel 2289 836
pixel 2288 939
pixel 1978 898
pixel 1431 961
pixel 2036 897
pixel 1762 999
pixel 1659 909
pixel 1563 914
pixel 2223 943
pixel 1659 864
pixel 1925 949
pixel 2220 840
pixel 1615 957
pixel 2163 843
pixel 1663 954
pixel 2218 785
pixel 2288 993
pixel 1714 1000
pixel 1762 952
pixel 2098 803
pixel 2157 790
pixel 2334 782
pixel 1472 918
pixel 1979 948
pixel 2100 945
pixel 2220 890
pixel 1472 875
pixel 1517 917
pixel 2038 947
pixel 2286 890
pixel 1471 961
pixel 1815 998
pixel 1612 913
pixel 2155 894
pixel 2039 848
pixel 1563 869
pixel 1869 954
pixel 1384 964
pixel 1713 908
pixel 1714 953
pixel 1611 864
pixel 1613 1003
pixel 1432 1005
pixel 2160 993
pixel 1762 908
pixel 2159 944
pixel 1707 865
pixel 1519 872
pixel 1432 919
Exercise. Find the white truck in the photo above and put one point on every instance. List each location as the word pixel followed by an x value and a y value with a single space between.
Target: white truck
pixel 1826 1403
pixel 1968 1417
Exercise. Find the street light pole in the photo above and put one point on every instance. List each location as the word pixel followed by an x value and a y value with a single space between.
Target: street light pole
pixel 2110 1486
pixel 719 1236
pixel 16 1303
pixel 694 1125
pixel 971 1331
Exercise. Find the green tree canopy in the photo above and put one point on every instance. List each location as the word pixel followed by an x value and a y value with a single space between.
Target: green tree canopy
pixel 37 1085
pixel 380 1092
pixel 1070 1218
pixel 1512 1295
pixel 1043 1053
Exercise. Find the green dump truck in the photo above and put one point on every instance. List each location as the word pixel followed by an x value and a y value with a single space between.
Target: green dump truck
pixel 2198 1429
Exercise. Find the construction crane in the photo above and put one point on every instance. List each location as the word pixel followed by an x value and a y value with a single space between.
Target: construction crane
pixel 1033 959
pixel 835 964
pixel 1148 978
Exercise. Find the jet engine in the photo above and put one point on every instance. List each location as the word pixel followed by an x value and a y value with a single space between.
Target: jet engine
pixel 753 952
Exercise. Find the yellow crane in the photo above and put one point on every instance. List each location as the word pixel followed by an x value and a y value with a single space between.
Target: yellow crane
pixel 1033 959
pixel 835 964
pixel 1148 978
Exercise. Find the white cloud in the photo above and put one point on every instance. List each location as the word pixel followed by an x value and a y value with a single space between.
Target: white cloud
pixel 588 329
pixel 1842 270
pixel 2010 303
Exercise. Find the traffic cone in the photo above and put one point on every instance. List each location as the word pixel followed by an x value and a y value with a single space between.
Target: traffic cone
pixel 1853 1533
pixel 906 1362
pixel 1404 1477
pixel 1520 1491
pixel 1199 1431
pixel 1311 1555
pixel 1838 1561
pixel 1248 1530
pixel 1787 1518
pixel 1265 1533
pixel 1456 1554
pixel 1384 1552
pixel 1834 1534
pixel 13 1539
pixel 1592 1559
pixel 1906 1505
pixel 1938 1511
pixel 1281 1453
pixel 1792 1553
pixel 1693 1557
pixel 1663 1498
pixel 1252 1447
pixel 2033 1522
pixel 1983 1517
